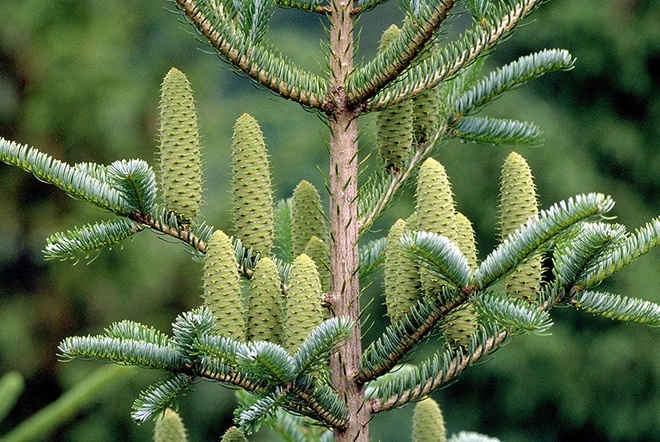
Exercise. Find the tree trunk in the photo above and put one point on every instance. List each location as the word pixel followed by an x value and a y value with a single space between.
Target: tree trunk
pixel 345 288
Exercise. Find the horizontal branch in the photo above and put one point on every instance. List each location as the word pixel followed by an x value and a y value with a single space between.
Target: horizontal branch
pixel 453 57
pixel 457 365
pixel 400 337
pixel 256 61
pixel 367 80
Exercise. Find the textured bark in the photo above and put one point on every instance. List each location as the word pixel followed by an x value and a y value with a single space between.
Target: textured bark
pixel 344 286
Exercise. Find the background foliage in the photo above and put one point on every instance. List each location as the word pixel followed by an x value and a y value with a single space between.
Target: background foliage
pixel 80 80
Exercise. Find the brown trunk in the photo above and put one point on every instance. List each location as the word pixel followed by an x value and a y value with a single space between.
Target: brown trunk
pixel 344 263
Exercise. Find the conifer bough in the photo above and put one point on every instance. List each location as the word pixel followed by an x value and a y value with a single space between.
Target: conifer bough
pixel 262 325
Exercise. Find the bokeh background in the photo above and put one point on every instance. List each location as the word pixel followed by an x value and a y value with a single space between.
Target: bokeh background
pixel 80 80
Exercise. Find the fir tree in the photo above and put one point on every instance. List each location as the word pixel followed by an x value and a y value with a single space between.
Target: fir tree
pixel 301 374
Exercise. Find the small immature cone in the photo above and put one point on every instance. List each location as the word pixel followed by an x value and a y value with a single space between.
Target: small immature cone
pixel 252 195
pixel 180 157
pixel 265 303
pixel 461 324
pixel 402 285
pixel 428 423
pixel 170 428
pixel 302 304
pixel 319 251
pixel 425 109
pixel 307 218
pixel 436 212
pixel 465 240
pixel 222 289
pixel 394 125
pixel 518 202
pixel 233 434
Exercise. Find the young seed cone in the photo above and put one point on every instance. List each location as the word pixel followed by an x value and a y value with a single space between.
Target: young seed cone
pixel 319 251
pixel 170 428
pixel 265 303
pixel 394 125
pixel 222 289
pixel 306 217
pixel 425 109
pixel 233 434
pixel 428 422
pixel 179 151
pixel 302 304
pixel 465 239
pixel 252 195
pixel 436 211
pixel 461 324
pixel 518 203
pixel 402 285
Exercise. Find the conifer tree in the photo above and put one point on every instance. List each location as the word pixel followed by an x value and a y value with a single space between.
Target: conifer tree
pixel 308 377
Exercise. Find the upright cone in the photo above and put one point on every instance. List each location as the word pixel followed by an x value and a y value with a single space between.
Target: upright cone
pixel 265 303
pixel 436 211
pixel 307 218
pixel 518 203
pixel 233 434
pixel 402 286
pixel 394 124
pixel 222 290
pixel 428 422
pixel 179 152
pixel 170 428
pixel 302 304
pixel 425 109
pixel 252 195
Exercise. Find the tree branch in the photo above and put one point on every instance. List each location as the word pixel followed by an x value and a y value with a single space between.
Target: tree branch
pixel 452 58
pixel 389 64
pixel 242 56
pixel 457 365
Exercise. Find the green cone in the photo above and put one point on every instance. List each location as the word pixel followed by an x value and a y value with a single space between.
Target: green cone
pixel 222 289
pixel 461 324
pixel 428 423
pixel 319 251
pixel 180 158
pixel 425 108
pixel 252 195
pixel 518 202
pixel 265 303
pixel 402 286
pixel 465 239
pixel 436 211
pixel 307 218
pixel 170 428
pixel 302 304
pixel 394 125
pixel 233 434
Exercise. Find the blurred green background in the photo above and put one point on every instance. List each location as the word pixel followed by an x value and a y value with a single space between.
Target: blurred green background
pixel 80 80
